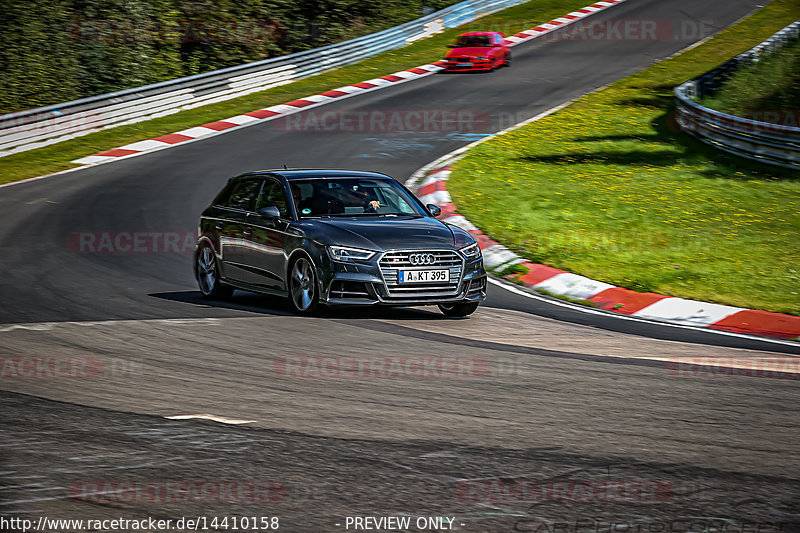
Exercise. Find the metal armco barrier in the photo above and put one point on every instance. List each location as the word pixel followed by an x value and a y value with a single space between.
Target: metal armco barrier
pixel 34 128
pixel 767 142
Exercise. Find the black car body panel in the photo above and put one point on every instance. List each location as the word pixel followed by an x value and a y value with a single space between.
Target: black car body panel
pixel 256 251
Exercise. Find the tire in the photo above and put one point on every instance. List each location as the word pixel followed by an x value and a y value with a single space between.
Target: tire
pixel 459 310
pixel 206 271
pixel 508 60
pixel 303 297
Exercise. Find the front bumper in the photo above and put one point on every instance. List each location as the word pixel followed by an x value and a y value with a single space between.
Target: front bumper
pixel 456 66
pixel 365 283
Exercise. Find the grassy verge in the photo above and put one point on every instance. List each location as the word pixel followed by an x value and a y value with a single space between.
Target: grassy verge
pixel 772 84
pixel 58 157
pixel 609 188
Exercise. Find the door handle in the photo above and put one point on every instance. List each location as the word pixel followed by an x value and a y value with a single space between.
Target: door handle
pixel 218 227
pixel 248 231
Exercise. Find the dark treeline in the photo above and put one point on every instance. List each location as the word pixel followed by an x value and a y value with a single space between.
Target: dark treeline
pixel 58 50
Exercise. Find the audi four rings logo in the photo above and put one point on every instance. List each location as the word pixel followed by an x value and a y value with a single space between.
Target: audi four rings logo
pixel 421 259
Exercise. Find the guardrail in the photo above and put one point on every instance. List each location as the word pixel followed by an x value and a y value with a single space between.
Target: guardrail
pixel 767 142
pixel 34 128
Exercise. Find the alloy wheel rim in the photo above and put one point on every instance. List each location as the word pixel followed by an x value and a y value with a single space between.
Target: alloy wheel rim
pixel 302 284
pixel 206 271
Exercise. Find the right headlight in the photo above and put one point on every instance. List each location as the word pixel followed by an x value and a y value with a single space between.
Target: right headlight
pixel 471 252
pixel 343 253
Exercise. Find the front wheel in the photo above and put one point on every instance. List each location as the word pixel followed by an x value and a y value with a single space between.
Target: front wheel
pixel 207 272
pixel 303 295
pixel 508 59
pixel 458 310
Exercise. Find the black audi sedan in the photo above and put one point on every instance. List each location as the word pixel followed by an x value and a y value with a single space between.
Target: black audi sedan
pixel 335 237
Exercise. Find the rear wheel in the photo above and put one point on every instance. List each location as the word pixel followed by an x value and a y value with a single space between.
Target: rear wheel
pixel 458 310
pixel 207 272
pixel 303 295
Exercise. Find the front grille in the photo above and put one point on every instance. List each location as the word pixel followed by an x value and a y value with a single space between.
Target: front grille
pixel 391 262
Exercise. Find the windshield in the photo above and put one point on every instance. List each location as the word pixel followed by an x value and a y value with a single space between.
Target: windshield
pixel 473 40
pixel 337 197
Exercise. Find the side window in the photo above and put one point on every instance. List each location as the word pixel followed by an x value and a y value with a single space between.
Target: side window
pixel 243 194
pixel 224 194
pixel 273 194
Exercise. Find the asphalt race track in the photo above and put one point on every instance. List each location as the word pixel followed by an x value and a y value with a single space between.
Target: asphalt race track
pixel 550 393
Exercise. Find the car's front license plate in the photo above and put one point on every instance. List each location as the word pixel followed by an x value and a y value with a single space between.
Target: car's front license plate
pixel 422 276
pixel 464 64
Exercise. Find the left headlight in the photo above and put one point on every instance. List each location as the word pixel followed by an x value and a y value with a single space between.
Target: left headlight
pixel 342 253
pixel 471 252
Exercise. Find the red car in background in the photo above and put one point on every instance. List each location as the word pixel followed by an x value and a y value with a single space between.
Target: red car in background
pixel 480 50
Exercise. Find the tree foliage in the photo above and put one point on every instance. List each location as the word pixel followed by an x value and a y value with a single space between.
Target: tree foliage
pixel 59 50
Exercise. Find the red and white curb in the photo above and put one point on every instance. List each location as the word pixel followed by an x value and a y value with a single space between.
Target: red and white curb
pixel 432 189
pixel 258 116
pixel 295 106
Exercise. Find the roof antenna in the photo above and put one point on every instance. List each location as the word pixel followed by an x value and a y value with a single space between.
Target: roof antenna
pixel 285 167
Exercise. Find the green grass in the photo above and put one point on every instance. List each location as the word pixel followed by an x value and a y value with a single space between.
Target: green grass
pixel 609 188
pixel 58 157
pixel 771 84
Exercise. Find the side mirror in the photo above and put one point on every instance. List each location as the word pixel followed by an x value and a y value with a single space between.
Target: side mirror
pixel 434 210
pixel 269 212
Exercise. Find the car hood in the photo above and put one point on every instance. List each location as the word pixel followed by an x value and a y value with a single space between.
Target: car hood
pixel 388 233
pixel 472 51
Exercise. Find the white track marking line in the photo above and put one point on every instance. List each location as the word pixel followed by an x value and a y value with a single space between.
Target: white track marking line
pixel 588 310
pixel 215 418
pixel 46 326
